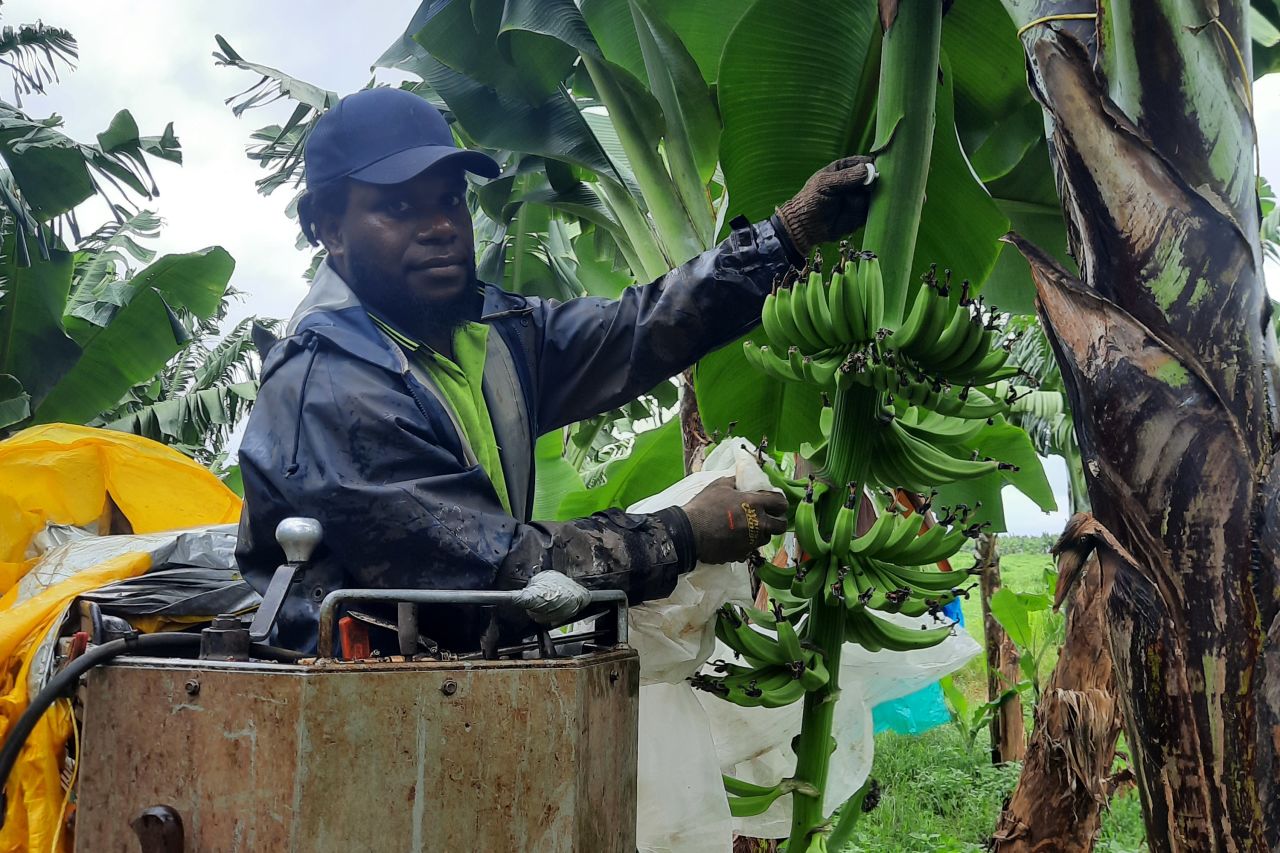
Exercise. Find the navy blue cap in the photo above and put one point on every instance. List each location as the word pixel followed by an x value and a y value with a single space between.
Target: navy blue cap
pixel 384 136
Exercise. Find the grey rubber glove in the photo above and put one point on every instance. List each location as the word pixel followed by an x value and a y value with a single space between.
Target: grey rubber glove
pixel 831 204
pixel 552 598
pixel 729 524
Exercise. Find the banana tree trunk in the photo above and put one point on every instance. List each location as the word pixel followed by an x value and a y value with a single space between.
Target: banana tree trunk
pixel 1165 346
pixel 1064 785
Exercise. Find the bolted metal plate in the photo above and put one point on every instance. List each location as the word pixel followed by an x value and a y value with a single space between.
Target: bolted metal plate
pixel 493 755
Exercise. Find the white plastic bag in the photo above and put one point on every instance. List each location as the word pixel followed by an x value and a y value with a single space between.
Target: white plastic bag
pixel 681 805
pixel 675 635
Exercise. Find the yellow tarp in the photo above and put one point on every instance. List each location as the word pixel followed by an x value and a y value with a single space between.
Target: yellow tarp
pixel 65 474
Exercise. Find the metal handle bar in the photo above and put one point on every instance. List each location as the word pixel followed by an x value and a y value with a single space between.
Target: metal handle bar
pixel 329 607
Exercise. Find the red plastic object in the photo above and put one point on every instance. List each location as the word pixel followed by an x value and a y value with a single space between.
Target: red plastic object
pixel 79 642
pixel 354 637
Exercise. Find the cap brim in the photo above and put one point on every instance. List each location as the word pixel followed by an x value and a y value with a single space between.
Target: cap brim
pixel 404 165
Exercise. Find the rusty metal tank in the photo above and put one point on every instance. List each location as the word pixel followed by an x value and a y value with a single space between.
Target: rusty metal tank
pixel 400 755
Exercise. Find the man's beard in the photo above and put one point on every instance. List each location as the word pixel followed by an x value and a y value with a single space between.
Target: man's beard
pixel 424 318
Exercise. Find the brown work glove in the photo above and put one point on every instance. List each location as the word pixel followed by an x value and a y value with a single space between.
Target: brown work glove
pixel 831 204
pixel 721 517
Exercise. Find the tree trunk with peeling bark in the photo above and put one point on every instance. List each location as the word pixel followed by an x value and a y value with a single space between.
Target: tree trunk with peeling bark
pixel 1064 785
pixel 1165 346
pixel 1008 732
pixel 693 434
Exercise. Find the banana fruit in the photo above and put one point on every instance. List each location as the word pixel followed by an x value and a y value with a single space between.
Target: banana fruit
pixel 747 799
pixel 863 627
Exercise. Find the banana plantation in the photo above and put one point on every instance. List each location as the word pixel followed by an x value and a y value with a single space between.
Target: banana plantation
pixel 1061 256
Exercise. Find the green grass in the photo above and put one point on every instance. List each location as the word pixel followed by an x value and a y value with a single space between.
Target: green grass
pixel 938 798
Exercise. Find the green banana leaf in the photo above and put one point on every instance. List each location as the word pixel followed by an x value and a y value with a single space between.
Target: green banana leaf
pixel 703 29
pixel 53 173
pixel 142 336
pixel 789 96
pixel 491 97
pixel 556 480
pixel 656 461
pixel 15 403
pixel 730 390
pixel 48 167
pixel 1028 197
pixel 188 418
pixel 1007 443
pixel 638 34
pixel 34 349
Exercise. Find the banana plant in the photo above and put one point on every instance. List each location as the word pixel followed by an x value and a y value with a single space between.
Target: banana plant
pixel 195 402
pixel 1170 368
pixel 917 373
pixel 77 332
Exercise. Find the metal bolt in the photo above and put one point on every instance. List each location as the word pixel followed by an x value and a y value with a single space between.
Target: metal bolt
pixel 193 687
pixel 449 688
pixel 613 676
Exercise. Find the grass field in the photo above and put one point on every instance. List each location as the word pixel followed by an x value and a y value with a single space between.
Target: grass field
pixel 939 797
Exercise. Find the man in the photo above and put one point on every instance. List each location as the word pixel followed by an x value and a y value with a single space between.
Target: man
pixel 402 407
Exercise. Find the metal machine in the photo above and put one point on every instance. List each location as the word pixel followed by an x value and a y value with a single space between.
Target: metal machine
pixel 522 748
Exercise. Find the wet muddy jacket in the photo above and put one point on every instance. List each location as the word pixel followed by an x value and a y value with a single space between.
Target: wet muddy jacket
pixel 347 430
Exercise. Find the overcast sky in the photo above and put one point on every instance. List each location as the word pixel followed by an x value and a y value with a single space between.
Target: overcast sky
pixel 154 58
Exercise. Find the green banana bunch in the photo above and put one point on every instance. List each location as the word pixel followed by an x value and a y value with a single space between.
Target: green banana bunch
pixel 810 576
pixel 912 389
pixel 814 315
pixel 774 576
pixel 747 799
pixel 806 527
pixel 870 289
pixel 937 428
pixel 905 460
pixel 863 627
pixel 771 686
pixel 788 315
pixel 756 648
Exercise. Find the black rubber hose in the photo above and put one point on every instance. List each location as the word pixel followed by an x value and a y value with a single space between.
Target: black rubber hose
pixel 62 684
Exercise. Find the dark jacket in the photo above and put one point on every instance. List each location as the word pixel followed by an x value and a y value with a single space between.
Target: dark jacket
pixel 346 430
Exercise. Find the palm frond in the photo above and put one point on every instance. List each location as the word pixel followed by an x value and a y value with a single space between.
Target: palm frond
pixel 1032 353
pixel 277 148
pixel 198 423
pixel 49 174
pixel 103 261
pixel 234 358
pixel 33 52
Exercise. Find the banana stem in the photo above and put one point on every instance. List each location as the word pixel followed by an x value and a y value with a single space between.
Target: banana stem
pixel 847 459
pixel 904 144
pixel 813 752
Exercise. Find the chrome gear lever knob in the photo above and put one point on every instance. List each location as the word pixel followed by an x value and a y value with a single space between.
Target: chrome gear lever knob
pixel 299 537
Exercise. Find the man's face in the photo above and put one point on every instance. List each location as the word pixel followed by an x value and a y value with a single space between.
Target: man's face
pixel 406 245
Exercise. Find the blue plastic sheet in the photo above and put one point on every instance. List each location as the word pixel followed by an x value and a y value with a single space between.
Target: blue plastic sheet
pixel 917 712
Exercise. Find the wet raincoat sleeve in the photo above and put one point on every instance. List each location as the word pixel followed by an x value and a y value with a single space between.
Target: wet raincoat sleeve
pixel 598 354
pixel 400 509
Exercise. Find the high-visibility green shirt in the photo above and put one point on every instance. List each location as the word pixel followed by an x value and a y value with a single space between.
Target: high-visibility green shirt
pixel 460 382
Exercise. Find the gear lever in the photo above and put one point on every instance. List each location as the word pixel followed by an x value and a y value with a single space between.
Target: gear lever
pixel 299 537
